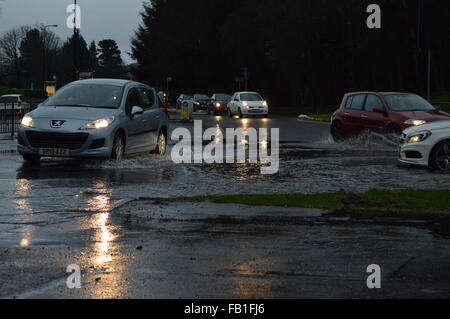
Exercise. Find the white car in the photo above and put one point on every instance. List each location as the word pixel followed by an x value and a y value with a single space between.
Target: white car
pixel 14 102
pixel 427 145
pixel 247 104
pixel 181 99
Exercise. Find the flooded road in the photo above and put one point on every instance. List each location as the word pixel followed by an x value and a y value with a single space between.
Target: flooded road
pixel 61 212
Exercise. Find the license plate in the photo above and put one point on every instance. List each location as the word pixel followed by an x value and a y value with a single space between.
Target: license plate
pixel 54 152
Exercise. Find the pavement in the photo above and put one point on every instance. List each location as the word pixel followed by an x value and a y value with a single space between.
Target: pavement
pixel 66 212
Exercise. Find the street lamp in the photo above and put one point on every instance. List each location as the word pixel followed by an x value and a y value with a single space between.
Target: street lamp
pixel 44 50
pixel 75 40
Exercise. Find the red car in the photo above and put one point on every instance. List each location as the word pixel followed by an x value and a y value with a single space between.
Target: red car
pixel 218 104
pixel 386 113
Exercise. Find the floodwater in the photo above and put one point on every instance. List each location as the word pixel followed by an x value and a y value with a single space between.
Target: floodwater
pixel 69 185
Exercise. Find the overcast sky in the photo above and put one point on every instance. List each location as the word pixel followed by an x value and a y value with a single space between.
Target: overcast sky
pixel 100 19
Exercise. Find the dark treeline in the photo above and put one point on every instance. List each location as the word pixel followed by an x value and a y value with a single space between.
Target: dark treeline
pixel 306 52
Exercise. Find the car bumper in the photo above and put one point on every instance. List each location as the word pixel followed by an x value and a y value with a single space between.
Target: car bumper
pixel 415 153
pixel 221 109
pixel 98 144
pixel 255 112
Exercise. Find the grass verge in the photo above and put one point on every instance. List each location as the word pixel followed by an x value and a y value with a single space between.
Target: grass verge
pixel 5 90
pixel 321 117
pixel 420 204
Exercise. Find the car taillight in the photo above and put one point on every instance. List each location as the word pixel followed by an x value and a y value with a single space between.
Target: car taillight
pixel 165 108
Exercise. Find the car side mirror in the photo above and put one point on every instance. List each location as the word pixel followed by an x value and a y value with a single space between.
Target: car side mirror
pixel 136 110
pixel 236 100
pixel 379 110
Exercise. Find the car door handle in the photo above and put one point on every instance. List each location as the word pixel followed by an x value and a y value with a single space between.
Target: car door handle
pixel 364 116
pixel 346 114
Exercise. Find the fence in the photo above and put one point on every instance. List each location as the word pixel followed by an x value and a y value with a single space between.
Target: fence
pixel 10 117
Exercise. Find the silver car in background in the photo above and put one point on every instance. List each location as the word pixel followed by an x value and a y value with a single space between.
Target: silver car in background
pixel 100 118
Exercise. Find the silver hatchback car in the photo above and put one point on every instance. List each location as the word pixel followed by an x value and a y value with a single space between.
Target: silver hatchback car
pixel 100 118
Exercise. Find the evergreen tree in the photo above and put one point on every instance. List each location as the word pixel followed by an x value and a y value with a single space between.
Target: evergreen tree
pixel 110 60
pixel 66 57
pixel 93 56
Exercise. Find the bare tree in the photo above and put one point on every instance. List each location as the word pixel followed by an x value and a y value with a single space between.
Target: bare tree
pixel 10 49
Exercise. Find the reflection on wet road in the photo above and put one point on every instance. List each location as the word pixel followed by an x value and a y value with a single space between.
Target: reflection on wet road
pixel 68 203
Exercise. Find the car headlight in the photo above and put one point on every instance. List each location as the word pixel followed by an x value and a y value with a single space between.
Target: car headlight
pixel 265 103
pixel 419 137
pixel 415 122
pixel 217 104
pixel 99 124
pixel 245 104
pixel 27 121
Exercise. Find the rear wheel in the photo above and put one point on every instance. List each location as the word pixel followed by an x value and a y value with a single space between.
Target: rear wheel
pixel 31 158
pixel 337 131
pixel 118 149
pixel 440 156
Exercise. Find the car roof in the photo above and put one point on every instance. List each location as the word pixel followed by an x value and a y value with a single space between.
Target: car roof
pixel 117 82
pixel 379 93
pixel 396 93
pixel 247 92
pixel 12 95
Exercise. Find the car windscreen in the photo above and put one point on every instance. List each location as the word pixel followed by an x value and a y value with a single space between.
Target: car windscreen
pixel 223 98
pixel 201 97
pixel 87 95
pixel 9 99
pixel 251 97
pixel 407 103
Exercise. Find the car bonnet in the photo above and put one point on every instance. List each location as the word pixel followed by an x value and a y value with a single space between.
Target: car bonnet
pixel 72 113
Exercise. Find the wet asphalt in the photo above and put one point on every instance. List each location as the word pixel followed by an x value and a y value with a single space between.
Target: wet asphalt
pixel 67 212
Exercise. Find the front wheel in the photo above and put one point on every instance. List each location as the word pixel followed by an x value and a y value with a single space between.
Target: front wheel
pixel 440 156
pixel 118 149
pixel 230 115
pixel 161 146
pixel 241 116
